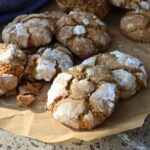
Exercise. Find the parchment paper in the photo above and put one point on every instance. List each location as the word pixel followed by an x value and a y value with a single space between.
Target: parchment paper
pixel 37 123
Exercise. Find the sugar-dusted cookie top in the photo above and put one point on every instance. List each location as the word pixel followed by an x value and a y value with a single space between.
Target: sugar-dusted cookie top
pixel 12 63
pixel 83 33
pixel 83 97
pixel 128 71
pixel 32 30
pixel 48 62
pixel 136 26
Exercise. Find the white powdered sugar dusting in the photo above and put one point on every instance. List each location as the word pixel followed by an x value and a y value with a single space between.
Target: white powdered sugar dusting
pixel 145 4
pixel 130 26
pixel 125 79
pixel 79 30
pixel 106 91
pixel 8 54
pixel 47 64
pixel 85 20
pixel 58 88
pixel 19 26
pixel 111 106
pixel 47 53
pixel 90 61
pixel 127 60
pixel 22 34
pixel 68 111
pixel 45 69
pixel 62 58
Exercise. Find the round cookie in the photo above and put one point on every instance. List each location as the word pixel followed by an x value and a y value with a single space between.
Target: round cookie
pixel 129 72
pixel 83 97
pixel 48 62
pixel 97 7
pixel 12 62
pixel 83 33
pixel 136 26
pixel 132 4
pixel 32 30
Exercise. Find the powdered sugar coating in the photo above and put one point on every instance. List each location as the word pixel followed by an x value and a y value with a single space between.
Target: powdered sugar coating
pixel 125 79
pixel 7 55
pixel 50 62
pixel 79 30
pixel 85 21
pixel 130 26
pixel 11 52
pixel 130 61
pixel 58 89
pixel 83 33
pixel 12 63
pixel 145 4
pixel 75 102
pixel 127 60
pixel 68 112
pixel 45 69
pixel 138 21
pixel 90 61
pixel 128 71
pixel 106 92
pixel 29 31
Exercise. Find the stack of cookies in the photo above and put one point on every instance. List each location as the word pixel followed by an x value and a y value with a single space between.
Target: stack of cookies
pixel 41 48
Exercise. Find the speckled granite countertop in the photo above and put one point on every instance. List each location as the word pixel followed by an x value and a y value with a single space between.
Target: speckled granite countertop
pixel 138 139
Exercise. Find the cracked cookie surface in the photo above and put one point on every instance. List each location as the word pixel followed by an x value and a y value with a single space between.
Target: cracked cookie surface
pixel 136 26
pixel 83 33
pixel 128 71
pixel 12 63
pixel 32 30
pixel 48 62
pixel 83 97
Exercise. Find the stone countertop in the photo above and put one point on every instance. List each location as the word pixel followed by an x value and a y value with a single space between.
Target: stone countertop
pixel 137 139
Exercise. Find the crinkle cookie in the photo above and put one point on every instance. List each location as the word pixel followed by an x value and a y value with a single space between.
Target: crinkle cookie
pixel 98 7
pixel 12 62
pixel 136 26
pixel 132 4
pixel 83 33
pixel 128 71
pixel 83 97
pixel 32 30
pixel 48 62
